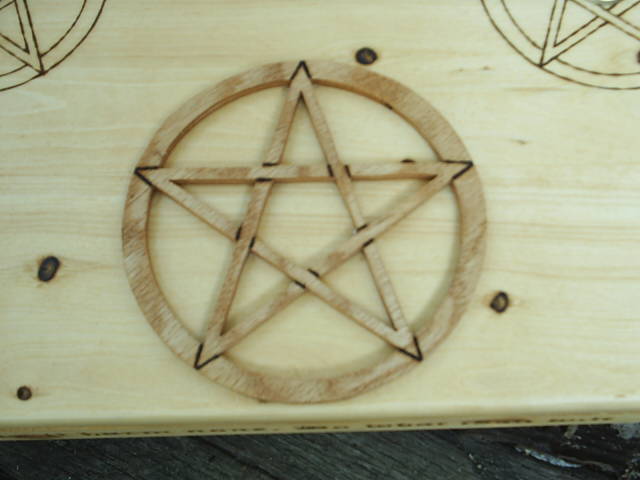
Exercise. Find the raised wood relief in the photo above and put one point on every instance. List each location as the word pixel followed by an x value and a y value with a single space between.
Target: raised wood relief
pixel 591 42
pixel 207 354
pixel 33 40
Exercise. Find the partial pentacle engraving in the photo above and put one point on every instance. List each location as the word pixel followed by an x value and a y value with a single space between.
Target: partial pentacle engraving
pixel 408 346
pixel 590 42
pixel 37 35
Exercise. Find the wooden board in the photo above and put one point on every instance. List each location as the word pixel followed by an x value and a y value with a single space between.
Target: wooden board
pixel 554 148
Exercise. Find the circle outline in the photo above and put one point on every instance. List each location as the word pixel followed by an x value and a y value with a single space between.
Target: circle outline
pixel 403 101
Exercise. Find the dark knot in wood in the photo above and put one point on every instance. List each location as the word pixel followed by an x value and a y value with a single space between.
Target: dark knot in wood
pixel 24 393
pixel 500 302
pixel 366 56
pixel 48 268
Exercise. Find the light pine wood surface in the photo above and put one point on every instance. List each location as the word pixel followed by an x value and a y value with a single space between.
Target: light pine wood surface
pixel 559 169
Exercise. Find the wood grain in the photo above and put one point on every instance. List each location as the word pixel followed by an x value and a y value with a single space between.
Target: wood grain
pixel 558 167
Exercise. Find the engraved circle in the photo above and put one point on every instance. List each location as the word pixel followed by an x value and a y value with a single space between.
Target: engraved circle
pixel 416 111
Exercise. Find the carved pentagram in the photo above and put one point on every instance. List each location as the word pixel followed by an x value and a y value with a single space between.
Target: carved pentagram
pixel 32 43
pixel 552 45
pixel 207 354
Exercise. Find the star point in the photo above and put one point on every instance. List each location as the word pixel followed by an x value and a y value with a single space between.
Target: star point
pixel 29 55
pixel 301 67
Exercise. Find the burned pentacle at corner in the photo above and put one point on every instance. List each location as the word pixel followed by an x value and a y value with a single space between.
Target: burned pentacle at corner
pixel 38 35
pixel 589 42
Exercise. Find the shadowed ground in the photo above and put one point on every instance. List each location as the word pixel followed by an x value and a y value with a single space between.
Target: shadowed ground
pixel 602 452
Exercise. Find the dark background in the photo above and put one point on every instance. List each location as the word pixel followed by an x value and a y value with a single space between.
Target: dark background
pixel 586 452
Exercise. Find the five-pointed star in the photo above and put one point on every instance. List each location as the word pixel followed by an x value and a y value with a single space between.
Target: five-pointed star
pixel 553 47
pixel 437 175
pixel 29 55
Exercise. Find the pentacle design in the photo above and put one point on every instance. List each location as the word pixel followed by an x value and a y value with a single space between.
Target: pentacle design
pixel 590 42
pixel 207 354
pixel 37 35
